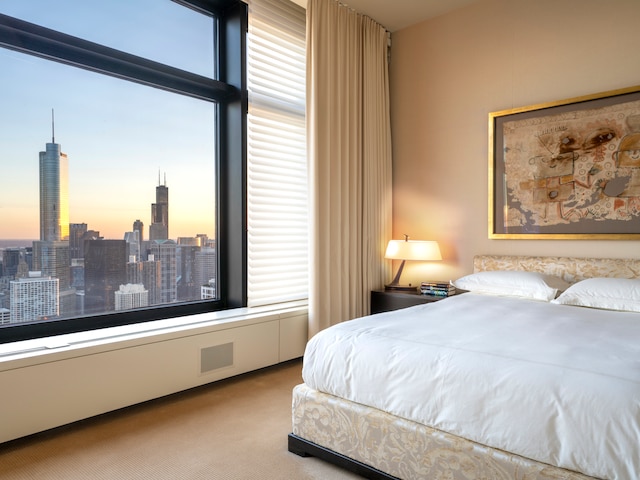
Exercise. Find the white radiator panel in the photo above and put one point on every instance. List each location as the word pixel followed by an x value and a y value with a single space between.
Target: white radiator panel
pixel 293 328
pixel 48 394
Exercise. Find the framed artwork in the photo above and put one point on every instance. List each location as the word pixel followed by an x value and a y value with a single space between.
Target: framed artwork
pixel 567 169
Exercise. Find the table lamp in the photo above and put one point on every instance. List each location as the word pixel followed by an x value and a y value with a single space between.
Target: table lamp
pixel 409 250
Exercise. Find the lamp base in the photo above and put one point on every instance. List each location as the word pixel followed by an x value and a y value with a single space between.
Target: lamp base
pixel 400 288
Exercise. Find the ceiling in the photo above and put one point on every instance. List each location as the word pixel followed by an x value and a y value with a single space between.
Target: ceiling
pixel 397 14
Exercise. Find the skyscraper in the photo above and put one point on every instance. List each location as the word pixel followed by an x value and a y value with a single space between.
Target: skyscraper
pixel 76 240
pixel 149 274
pixel 51 253
pixel 159 228
pixel 206 267
pixel 138 226
pixel 10 261
pixel 131 295
pixel 104 271
pixel 52 259
pixel 34 299
pixel 166 252
pixel 133 245
pixel 188 288
pixel 54 192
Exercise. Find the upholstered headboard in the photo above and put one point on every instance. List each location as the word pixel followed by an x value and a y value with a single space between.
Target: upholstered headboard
pixel 571 269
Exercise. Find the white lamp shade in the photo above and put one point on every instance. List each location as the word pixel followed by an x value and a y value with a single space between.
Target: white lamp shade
pixel 413 250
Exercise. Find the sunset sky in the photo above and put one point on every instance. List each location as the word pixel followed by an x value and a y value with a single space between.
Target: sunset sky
pixel 117 135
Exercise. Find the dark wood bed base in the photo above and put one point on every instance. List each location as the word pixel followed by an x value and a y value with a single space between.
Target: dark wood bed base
pixel 305 448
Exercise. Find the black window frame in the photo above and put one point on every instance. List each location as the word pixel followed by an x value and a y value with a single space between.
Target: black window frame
pixel 229 91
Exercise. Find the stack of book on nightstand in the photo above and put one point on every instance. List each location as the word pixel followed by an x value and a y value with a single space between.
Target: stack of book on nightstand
pixel 440 289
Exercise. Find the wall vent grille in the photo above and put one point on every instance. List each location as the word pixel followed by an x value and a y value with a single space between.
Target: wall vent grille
pixel 218 356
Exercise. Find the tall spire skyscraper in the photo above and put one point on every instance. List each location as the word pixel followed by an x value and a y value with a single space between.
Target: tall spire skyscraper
pixel 51 252
pixel 54 191
pixel 159 228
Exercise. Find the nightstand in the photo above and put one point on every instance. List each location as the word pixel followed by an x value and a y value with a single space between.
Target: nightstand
pixel 385 301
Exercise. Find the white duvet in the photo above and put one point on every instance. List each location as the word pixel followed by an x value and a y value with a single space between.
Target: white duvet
pixel 554 383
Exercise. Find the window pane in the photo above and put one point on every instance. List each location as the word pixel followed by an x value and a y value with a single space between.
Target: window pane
pixel 159 30
pixel 120 157
pixel 277 180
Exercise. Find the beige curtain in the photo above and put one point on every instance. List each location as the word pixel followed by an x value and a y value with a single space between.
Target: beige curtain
pixel 349 138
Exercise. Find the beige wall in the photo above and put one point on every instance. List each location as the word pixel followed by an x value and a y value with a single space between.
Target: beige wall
pixel 448 73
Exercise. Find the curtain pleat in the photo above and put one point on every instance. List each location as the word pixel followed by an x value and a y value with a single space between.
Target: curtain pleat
pixel 349 150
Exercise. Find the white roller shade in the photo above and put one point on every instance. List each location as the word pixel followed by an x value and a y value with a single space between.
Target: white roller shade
pixel 277 163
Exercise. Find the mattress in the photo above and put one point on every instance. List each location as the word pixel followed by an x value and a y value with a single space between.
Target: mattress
pixel 556 384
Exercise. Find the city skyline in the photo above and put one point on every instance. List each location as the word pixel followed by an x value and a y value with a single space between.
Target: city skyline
pixel 117 230
pixel 117 134
pixel 73 270
pixel 192 195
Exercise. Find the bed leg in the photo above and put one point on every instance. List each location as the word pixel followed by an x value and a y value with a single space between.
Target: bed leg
pixel 297 446
pixel 305 448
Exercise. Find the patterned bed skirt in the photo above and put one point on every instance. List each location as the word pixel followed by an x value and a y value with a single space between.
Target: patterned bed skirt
pixel 406 449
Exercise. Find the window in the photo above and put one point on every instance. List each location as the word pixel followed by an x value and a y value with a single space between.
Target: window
pixel 277 157
pixel 163 31
pixel 123 196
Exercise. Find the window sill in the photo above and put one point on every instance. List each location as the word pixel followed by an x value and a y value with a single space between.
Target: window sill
pixel 49 349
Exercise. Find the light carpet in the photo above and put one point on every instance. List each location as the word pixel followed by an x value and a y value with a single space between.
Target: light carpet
pixel 233 429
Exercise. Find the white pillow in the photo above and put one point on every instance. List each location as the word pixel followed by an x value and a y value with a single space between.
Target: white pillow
pixel 606 293
pixel 513 283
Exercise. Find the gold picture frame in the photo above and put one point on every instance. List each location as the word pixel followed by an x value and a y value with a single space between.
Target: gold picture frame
pixel 567 170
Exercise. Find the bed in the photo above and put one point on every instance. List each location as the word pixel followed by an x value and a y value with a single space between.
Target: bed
pixel 534 373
